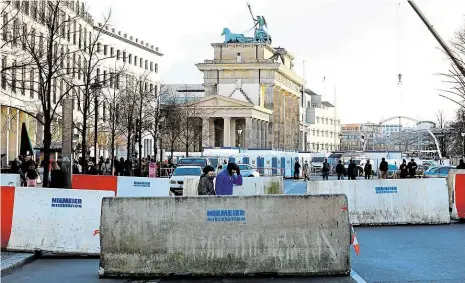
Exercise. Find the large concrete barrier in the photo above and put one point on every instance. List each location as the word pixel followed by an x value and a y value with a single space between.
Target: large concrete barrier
pixel 53 220
pixel 377 202
pixel 456 186
pixel 251 186
pixel 7 179
pixel 216 236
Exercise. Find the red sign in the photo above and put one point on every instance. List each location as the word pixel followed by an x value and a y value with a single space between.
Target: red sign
pixel 152 170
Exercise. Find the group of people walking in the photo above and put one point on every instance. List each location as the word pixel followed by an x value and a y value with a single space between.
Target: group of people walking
pixel 225 180
pixel 353 170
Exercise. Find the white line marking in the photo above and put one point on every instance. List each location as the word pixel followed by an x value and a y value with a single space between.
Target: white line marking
pixel 356 277
pixel 290 187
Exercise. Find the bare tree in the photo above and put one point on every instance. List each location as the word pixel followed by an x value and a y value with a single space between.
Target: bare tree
pixel 171 113
pixel 454 77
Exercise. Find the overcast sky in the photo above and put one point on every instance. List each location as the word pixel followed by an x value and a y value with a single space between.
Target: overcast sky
pixel 360 46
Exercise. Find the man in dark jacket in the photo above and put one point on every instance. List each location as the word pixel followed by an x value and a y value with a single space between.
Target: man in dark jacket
pixel 352 170
pixel 340 170
pixel 368 169
pixel 403 169
pixel 412 168
pixel 206 186
pixel 383 168
pixel 461 164
pixel 325 170
pixel 296 170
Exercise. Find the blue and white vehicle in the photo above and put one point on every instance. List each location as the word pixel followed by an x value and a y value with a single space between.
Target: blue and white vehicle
pixel 248 170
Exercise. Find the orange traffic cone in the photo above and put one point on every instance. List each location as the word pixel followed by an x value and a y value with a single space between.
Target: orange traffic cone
pixel 354 240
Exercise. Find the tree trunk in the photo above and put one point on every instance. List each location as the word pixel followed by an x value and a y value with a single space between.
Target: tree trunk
pixel 84 142
pixel 112 141
pixel 47 144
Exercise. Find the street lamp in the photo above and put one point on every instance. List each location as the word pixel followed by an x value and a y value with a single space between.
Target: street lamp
pixel 239 132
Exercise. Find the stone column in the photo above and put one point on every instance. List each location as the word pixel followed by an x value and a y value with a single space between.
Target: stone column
pixel 248 133
pixel 233 132
pixel 227 131
pixel 259 134
pixel 265 134
pixel 206 133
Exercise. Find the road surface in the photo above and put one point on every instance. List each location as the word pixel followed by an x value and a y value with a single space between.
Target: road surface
pixel 427 253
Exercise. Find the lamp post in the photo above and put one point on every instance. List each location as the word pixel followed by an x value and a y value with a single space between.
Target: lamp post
pixel 95 87
pixel 239 132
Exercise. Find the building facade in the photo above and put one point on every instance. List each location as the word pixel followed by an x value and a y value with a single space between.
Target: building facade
pixel 256 97
pixel 19 89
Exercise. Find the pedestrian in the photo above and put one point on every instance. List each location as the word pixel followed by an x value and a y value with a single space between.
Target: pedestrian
pixel 76 167
pixel 340 170
pixel 296 170
pixel 306 171
pixel 368 170
pixel 227 178
pixel 403 169
pixel 383 168
pixel 325 169
pixel 206 186
pixel 412 168
pixel 352 170
pixel 106 167
pixel 461 164
pixel 57 177
pixel 100 165
pixel 92 170
pixel 31 176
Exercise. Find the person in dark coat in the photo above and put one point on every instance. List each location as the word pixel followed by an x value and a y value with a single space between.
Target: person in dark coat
pixel 383 168
pixel 412 168
pixel 403 169
pixel 340 170
pixel 325 170
pixel 461 164
pixel 368 169
pixel 92 170
pixel 206 186
pixel 121 166
pixel 296 170
pixel 57 177
pixel 352 170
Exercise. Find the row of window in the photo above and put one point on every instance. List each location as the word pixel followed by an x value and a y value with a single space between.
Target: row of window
pixel 327 121
pixel 129 58
pixel 323 146
pixel 326 134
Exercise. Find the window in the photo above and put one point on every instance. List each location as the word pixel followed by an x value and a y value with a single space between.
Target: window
pixel 68 62
pixel 105 50
pixel 156 67
pixel 124 56
pixel 18 4
pixel 79 99
pixel 117 54
pixel 111 51
pixel 156 90
pixel 317 120
pixel 24 36
pixel 74 65
pixel 61 93
pixel 117 81
pixel 26 7
pixel 104 111
pixel 135 60
pixel 111 79
pixel 23 80
pixel 104 78
pixel 84 71
pixel 54 91
pixel 80 37
pixel 5 27
pixel 4 65
pixel 146 64
pixel 98 47
pixel 238 58
pixel 97 78
pixel 90 42
pixel 151 87
pixel 130 59
pixel 31 83
pixel 141 61
pixel 84 37
pixel 15 31
pixel 79 67
pixel 33 38
pixel 62 57
pixel 13 77
pixel 68 24
pixel 34 10
pixel 63 24
pixel 151 66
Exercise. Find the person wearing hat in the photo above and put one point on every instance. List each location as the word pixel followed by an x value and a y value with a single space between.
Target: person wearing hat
pixel 206 186
pixel 92 169
pixel 226 179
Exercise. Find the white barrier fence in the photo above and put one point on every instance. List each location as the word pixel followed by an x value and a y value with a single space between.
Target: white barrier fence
pixel 142 187
pixel 8 179
pixel 56 220
pixel 250 186
pixel 376 202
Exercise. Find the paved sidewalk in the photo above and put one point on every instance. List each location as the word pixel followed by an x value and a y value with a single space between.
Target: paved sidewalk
pixel 11 260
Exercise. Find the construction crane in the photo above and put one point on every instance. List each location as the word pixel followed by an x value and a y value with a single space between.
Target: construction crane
pixel 438 37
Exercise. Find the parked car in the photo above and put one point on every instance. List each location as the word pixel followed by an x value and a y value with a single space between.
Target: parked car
pixel 194 161
pixel 177 179
pixel 437 172
pixel 248 170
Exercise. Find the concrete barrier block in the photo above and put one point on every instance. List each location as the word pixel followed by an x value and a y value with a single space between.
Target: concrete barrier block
pixel 398 201
pixel 142 187
pixel 218 236
pixel 190 186
pixel 251 186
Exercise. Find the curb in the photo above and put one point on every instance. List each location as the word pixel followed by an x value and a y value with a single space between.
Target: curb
pixel 10 264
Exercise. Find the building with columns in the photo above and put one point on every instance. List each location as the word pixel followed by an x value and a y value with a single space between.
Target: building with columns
pixel 255 96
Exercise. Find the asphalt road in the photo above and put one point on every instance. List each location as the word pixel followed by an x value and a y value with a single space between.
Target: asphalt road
pixel 427 253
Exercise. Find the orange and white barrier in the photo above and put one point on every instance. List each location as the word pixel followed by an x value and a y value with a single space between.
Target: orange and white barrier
pixel 123 186
pixel 54 220
pixel 456 185
pixel 391 202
